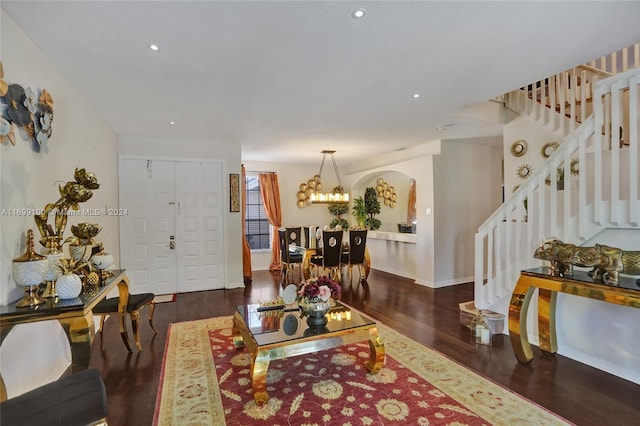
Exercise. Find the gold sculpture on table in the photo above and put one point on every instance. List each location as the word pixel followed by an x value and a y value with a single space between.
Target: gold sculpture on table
pixel 71 194
pixel 607 262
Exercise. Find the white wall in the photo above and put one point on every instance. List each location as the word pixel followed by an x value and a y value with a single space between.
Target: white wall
pixel 467 186
pixel 536 137
pixel 412 260
pixel 229 154
pixel 30 180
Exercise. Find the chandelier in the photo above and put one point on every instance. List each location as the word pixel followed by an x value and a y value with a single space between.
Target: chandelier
pixel 311 192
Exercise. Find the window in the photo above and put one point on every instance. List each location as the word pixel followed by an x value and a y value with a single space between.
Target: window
pixel 256 224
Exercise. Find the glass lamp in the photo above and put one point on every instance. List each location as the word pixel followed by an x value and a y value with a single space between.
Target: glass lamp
pixel 29 271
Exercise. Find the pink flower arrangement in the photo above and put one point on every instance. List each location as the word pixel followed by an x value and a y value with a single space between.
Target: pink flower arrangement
pixel 321 288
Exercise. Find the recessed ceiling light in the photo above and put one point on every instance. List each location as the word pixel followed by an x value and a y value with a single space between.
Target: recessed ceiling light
pixel 445 126
pixel 154 47
pixel 416 95
pixel 172 122
pixel 358 13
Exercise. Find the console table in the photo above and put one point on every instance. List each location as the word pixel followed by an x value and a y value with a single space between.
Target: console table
pixel 626 292
pixel 75 316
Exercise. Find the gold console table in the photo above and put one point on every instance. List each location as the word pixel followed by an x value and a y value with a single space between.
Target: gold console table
pixel 75 316
pixel 626 293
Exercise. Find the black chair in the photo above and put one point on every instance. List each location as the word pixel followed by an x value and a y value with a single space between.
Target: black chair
pixel 307 236
pixel 329 260
pixel 290 259
pixel 356 254
pixel 77 399
pixel 135 302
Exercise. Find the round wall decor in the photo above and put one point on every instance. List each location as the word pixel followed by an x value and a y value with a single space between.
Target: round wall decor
pixel 524 171
pixel 575 167
pixel 519 148
pixel 549 148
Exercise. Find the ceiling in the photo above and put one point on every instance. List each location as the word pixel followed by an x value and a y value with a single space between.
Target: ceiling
pixel 287 79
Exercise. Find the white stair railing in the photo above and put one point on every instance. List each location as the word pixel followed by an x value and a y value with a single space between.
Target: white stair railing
pixel 600 191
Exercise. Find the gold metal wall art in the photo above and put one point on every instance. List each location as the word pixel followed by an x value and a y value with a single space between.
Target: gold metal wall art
pixel 575 167
pixel 519 148
pixel 30 110
pixel 549 148
pixel 524 171
pixel 234 192
pixel 386 192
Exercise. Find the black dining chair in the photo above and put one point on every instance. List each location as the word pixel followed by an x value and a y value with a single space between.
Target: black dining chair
pixel 289 258
pixel 135 302
pixel 307 237
pixel 329 260
pixel 356 254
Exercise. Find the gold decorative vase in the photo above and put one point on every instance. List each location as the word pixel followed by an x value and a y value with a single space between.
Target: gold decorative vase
pixel 54 255
pixel 316 311
pixel 28 271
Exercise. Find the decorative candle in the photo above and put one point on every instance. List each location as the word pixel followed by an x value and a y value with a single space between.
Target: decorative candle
pixel 485 333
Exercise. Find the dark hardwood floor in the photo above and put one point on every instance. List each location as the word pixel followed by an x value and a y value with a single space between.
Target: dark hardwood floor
pixel 581 394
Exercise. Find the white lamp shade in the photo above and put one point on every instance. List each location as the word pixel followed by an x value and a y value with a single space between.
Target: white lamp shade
pixel 29 273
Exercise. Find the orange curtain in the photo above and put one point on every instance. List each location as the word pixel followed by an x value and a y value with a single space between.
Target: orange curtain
pixel 270 193
pixel 246 250
pixel 411 211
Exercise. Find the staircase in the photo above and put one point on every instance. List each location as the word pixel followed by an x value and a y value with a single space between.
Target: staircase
pixel 600 192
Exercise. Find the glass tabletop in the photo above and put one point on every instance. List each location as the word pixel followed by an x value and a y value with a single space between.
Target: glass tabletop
pixel 288 324
pixel 624 282
pixel 57 305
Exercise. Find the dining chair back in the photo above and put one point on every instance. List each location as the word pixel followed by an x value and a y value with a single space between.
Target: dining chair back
pixel 356 255
pixel 289 258
pixel 306 231
pixel 329 260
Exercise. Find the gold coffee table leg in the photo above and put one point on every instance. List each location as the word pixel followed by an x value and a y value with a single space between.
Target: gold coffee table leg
pixel 259 368
pixel 238 341
pixel 377 354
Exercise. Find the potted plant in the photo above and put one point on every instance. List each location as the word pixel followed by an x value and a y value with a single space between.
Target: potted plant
pixel 359 212
pixel 372 207
pixel 338 210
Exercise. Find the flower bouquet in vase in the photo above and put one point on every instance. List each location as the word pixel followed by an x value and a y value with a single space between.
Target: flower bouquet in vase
pixel 315 298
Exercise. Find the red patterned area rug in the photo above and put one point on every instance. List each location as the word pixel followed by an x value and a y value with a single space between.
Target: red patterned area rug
pixel 206 381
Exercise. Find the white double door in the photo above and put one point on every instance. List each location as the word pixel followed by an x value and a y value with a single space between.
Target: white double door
pixel 171 237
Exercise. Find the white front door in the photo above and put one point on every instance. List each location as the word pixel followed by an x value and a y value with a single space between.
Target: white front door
pixel 172 239
pixel 147 192
pixel 199 222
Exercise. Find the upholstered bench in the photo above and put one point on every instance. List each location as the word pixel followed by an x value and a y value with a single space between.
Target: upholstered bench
pixel 76 400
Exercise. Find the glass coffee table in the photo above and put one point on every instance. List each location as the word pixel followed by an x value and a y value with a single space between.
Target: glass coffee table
pixel 283 333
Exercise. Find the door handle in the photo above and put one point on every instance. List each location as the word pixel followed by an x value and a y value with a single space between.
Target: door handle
pixel 172 242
